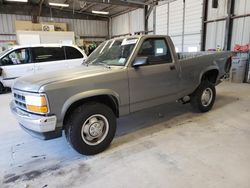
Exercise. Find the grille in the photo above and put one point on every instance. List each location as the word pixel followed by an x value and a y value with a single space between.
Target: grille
pixel 20 100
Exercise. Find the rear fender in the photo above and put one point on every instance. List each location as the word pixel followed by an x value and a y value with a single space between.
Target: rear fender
pixel 209 68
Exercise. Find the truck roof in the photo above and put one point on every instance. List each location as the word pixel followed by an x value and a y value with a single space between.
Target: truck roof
pixel 139 36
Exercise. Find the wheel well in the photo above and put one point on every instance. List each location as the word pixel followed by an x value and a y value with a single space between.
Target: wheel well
pixel 210 76
pixel 108 100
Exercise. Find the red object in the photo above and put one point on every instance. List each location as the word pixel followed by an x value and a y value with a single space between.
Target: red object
pixel 241 48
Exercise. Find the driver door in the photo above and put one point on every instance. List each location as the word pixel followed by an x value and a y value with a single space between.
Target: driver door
pixel 15 64
pixel 155 82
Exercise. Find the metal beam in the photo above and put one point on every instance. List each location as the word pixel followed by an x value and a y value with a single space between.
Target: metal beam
pixel 117 2
pixel 87 7
pixel 33 10
pixel 122 12
pixel 146 18
pixel 204 25
pixel 229 24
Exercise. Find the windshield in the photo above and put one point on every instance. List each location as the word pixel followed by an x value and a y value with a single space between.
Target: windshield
pixel 113 52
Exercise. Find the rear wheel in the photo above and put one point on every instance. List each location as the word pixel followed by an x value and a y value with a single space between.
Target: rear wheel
pixel 203 98
pixel 91 128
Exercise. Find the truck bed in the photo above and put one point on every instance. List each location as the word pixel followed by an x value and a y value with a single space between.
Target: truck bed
pixel 188 55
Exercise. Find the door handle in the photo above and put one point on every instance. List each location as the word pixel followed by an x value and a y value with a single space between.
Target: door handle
pixel 172 67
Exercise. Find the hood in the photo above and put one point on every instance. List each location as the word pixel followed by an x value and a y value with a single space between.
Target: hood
pixel 34 82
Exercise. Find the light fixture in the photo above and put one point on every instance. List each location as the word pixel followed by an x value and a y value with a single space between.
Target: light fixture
pixel 22 1
pixel 99 12
pixel 59 4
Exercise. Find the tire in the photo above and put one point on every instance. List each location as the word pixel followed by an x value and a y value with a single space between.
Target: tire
pixel 203 98
pixel 91 128
pixel 2 89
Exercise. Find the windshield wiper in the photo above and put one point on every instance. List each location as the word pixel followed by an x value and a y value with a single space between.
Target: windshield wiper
pixel 104 64
pixel 85 64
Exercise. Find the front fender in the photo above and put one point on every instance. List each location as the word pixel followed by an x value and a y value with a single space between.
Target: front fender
pixel 87 94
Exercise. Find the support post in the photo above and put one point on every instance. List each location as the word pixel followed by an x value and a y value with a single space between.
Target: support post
pixel 204 25
pixel 183 25
pixel 146 18
pixel 229 25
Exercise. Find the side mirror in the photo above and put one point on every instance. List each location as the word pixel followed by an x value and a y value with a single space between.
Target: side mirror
pixel 140 61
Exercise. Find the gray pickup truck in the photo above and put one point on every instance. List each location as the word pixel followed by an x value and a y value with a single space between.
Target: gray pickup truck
pixel 120 77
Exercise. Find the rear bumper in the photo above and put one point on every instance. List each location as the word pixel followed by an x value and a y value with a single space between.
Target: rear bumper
pixel 43 127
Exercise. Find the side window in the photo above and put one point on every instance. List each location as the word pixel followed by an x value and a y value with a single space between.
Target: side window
pixel 72 53
pixel 156 50
pixel 44 54
pixel 16 57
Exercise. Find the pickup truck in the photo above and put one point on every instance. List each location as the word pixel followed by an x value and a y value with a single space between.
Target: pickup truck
pixel 121 76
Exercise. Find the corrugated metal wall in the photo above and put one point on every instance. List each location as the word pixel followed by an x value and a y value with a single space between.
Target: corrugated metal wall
pixel 216 30
pixel 176 23
pixel 128 23
pixel 241 26
pixel 192 27
pixel 169 21
pixel 215 34
pixel 161 26
pixel 80 27
pixel 7 26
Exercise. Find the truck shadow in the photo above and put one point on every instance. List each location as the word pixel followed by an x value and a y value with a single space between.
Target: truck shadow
pixel 170 114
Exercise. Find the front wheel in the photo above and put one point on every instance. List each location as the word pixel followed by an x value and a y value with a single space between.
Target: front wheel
pixel 203 98
pixel 91 128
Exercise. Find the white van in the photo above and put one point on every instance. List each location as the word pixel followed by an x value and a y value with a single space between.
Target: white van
pixel 26 60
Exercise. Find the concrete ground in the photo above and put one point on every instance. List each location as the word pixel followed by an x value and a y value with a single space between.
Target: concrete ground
pixel 167 146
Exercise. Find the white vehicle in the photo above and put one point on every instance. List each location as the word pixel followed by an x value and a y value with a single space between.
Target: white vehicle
pixel 26 60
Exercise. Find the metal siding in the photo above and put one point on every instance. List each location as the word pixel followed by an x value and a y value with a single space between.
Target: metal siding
pixel 193 23
pixel 242 7
pixel 130 22
pixel 192 41
pixel 120 24
pixel 177 43
pixel 193 16
pixel 241 31
pixel 176 18
pixel 136 20
pixel 162 19
pixel 220 12
pixel 215 35
pixel 80 27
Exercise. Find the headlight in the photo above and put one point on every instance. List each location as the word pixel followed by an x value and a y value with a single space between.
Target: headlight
pixel 37 104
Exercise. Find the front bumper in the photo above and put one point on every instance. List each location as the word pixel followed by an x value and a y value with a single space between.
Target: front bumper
pixel 43 127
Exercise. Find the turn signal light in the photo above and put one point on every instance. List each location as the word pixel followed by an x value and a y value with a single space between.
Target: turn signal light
pixel 37 109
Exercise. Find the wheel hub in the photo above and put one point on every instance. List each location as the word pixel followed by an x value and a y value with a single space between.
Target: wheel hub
pixel 95 129
pixel 206 97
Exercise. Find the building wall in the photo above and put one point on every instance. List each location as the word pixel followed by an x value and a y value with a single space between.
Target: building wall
pixel 216 30
pixel 241 26
pixel 169 21
pixel 181 22
pixel 80 27
pixel 128 23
